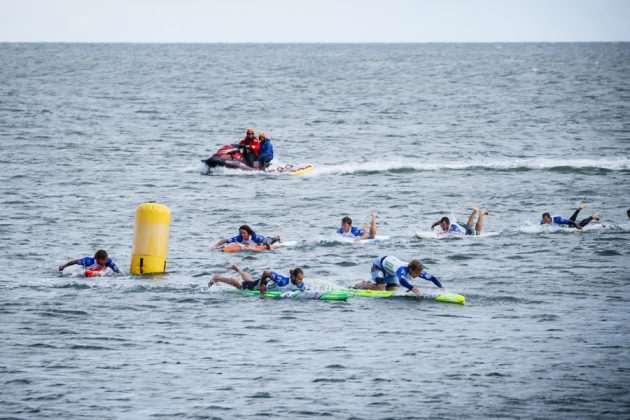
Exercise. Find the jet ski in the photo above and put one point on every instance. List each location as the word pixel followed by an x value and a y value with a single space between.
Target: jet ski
pixel 231 156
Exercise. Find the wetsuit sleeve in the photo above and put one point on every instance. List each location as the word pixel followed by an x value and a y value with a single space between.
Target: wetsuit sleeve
pixel 401 275
pixel 233 239
pixel 111 264
pixel 431 278
pixel 85 261
pixel 340 231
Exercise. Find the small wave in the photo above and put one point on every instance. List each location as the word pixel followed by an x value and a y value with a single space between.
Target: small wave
pixel 398 166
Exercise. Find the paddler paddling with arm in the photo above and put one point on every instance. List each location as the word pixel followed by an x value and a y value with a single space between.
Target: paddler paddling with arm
pixel 467 229
pixel 247 237
pixel 269 280
pixel 99 262
pixel 349 231
pixel 387 272
pixel 548 219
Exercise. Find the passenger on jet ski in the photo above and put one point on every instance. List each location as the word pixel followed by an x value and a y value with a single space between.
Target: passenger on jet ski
pixel 250 149
pixel 265 153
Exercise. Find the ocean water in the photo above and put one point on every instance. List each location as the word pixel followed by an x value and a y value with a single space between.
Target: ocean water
pixel 409 131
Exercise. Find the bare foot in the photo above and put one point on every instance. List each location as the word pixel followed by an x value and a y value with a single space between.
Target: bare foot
pixel 475 209
pixel 582 206
pixel 484 212
pixel 231 266
pixel 595 216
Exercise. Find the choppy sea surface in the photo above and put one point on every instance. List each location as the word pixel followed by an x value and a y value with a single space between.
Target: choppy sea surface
pixel 409 131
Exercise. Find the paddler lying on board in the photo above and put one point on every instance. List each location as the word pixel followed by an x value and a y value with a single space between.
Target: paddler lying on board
pixel 467 229
pixel 246 236
pixel 269 280
pixel 99 262
pixel 349 231
pixel 387 272
pixel 548 219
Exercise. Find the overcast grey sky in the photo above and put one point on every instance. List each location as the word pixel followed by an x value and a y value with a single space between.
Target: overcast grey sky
pixel 314 20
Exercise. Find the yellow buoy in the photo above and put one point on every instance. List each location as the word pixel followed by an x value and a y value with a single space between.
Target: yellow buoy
pixel 150 239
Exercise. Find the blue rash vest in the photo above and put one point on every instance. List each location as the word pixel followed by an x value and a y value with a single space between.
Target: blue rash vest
pixel 90 263
pixel 396 267
pixel 266 150
pixel 253 240
pixel 283 283
pixel 455 228
pixel 557 220
pixel 354 232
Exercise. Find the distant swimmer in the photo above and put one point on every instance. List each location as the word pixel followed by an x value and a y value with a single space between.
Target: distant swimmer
pixel 265 153
pixel 628 213
pixel 467 229
pixel 247 236
pixel 548 219
pixel 387 272
pixel 250 147
pixel 99 262
pixel 349 231
pixel 269 280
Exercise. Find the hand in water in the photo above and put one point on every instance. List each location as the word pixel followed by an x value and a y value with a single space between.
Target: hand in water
pixel 416 291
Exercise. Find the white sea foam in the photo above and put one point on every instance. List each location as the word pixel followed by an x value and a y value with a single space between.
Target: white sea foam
pixel 615 164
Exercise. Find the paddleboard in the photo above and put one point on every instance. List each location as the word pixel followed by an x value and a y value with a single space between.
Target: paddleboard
pixel 363 292
pixel 340 238
pixel 446 297
pixel 297 294
pixel 97 272
pixel 237 247
pixel 302 170
pixel 442 235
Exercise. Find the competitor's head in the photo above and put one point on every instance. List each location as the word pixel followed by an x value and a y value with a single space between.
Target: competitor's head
pixel 101 257
pixel 246 232
pixel 445 223
pixel 250 133
pixel 414 268
pixel 547 218
pixel 262 136
pixel 346 224
pixel 297 275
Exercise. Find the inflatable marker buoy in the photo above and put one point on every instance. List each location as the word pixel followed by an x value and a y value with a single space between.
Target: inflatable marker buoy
pixel 150 239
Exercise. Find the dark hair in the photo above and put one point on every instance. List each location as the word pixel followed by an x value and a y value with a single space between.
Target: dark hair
pixel 445 219
pixel 546 214
pixel 294 273
pixel 415 265
pixel 346 220
pixel 100 254
pixel 247 229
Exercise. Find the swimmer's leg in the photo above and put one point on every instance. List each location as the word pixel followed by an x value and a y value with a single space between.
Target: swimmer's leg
pixel 471 218
pixel 483 213
pixel 588 220
pixel 365 285
pixel 227 280
pixel 244 275
pixel 575 215
pixel 373 226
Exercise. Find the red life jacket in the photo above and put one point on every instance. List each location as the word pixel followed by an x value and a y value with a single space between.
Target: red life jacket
pixel 254 144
